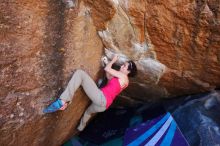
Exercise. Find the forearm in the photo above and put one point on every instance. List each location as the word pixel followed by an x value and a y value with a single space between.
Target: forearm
pixel 109 65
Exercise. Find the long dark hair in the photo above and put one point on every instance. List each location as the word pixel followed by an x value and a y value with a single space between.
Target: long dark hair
pixel 132 68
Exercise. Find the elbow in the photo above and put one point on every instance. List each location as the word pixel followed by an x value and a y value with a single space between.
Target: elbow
pixel 106 69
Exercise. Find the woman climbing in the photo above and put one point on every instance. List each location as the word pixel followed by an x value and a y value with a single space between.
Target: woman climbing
pixel 101 98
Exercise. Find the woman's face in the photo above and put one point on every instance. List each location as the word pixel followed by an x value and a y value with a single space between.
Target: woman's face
pixel 124 67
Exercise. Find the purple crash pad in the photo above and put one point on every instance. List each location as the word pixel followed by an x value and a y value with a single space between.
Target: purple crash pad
pixel 160 131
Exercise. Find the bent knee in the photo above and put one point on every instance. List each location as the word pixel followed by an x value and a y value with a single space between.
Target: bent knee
pixel 79 71
pixel 93 108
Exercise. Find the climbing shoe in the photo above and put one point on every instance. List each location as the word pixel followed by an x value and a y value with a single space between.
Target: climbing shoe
pixel 53 107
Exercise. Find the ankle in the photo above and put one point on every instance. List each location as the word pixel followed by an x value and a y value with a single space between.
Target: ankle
pixel 63 102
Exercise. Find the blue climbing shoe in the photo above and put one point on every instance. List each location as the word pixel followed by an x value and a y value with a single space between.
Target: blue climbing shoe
pixel 53 107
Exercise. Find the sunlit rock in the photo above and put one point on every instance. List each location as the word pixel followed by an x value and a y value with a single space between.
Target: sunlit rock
pixel 174 43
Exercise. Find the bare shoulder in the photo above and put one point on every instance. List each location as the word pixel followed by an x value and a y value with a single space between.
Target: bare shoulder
pixel 123 81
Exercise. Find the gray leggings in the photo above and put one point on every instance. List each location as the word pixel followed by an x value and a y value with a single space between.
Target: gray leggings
pixel 93 92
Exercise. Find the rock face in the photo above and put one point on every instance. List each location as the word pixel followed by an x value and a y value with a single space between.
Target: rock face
pixel 174 43
pixel 202 126
pixel 41 46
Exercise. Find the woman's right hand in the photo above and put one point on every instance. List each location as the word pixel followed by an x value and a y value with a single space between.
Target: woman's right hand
pixel 115 58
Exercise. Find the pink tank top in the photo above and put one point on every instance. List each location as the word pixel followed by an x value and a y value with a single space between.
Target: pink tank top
pixel 111 90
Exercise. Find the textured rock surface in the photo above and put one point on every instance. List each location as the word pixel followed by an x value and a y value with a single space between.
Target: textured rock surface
pixel 41 45
pixel 174 43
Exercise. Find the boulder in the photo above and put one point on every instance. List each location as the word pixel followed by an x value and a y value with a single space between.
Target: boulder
pixel 174 43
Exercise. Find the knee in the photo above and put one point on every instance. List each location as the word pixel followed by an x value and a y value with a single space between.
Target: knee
pixel 87 113
pixel 79 71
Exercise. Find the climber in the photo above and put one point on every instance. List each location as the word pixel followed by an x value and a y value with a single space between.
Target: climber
pixel 69 3
pixel 101 98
